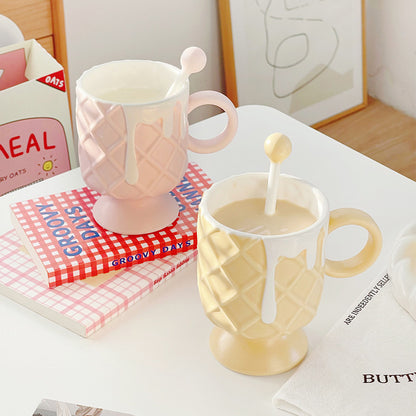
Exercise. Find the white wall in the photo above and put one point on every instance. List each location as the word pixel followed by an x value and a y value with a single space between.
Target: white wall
pixel 391 52
pixel 104 30
pixel 98 31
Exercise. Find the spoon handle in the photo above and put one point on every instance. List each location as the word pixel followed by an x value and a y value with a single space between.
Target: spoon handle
pixel 272 188
pixel 193 60
pixel 181 79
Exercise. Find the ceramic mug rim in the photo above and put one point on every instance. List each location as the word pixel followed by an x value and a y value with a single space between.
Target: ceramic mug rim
pixel 172 68
pixel 318 223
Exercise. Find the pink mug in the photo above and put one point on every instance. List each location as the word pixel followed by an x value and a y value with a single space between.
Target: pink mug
pixel 133 140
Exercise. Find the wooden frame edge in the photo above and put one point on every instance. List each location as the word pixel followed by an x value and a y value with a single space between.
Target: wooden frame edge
pixel 228 50
pixel 364 104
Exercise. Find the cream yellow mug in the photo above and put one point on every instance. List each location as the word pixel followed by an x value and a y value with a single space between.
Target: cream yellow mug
pixel 260 290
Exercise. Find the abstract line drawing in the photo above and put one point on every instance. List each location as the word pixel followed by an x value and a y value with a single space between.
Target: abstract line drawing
pixel 299 45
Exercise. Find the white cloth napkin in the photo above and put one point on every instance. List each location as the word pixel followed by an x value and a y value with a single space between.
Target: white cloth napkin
pixel 402 269
pixel 365 365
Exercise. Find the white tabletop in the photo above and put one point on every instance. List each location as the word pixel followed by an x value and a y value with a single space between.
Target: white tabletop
pixel 155 358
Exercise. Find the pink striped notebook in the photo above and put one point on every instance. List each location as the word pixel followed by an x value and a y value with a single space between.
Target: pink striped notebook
pixel 86 305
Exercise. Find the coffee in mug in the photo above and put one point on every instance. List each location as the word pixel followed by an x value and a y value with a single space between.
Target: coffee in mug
pixel 260 287
pixel 248 215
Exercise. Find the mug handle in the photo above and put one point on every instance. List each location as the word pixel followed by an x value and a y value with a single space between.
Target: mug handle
pixel 216 143
pixel 367 256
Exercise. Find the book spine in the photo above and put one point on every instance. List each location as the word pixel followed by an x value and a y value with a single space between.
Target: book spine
pixel 176 268
pixel 83 270
pixel 180 246
pixel 179 266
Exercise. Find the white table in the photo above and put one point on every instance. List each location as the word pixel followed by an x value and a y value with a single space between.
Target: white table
pixel 155 359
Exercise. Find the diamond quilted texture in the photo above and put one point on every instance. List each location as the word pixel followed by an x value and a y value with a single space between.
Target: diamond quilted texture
pixel 302 284
pixel 163 150
pixel 206 257
pixel 298 291
pixel 163 158
pixel 106 132
pixel 93 152
pixel 107 169
pixel 288 270
pixel 223 247
pixel 115 155
pixel 153 173
pixel 148 135
pixel 314 296
pixel 225 271
pixel 241 314
pixel 287 311
pixel 204 227
pixel 221 287
pixel 208 299
pixel 179 160
pixel 211 306
pixel 253 294
pixel 109 173
pixel 231 279
pixel 91 180
pixel 242 272
pixel 102 149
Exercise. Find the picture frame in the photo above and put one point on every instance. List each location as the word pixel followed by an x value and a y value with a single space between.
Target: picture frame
pixel 304 57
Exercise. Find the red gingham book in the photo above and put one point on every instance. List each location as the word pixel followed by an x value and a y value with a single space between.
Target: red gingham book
pixel 67 245
pixel 85 305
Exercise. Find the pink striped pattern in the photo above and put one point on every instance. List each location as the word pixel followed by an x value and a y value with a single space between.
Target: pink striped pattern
pixel 80 306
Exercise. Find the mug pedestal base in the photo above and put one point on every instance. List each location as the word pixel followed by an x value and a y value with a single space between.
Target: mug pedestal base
pixel 258 357
pixel 135 216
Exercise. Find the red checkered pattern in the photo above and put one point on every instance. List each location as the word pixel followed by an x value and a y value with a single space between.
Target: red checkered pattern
pixel 98 253
pixel 81 307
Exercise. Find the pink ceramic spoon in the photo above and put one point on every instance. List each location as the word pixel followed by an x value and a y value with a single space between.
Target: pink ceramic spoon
pixel 193 60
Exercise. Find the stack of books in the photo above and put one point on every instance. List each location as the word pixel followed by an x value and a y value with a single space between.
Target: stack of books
pixel 60 263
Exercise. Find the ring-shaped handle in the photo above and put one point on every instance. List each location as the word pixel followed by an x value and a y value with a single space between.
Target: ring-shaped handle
pixel 367 256
pixel 216 143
